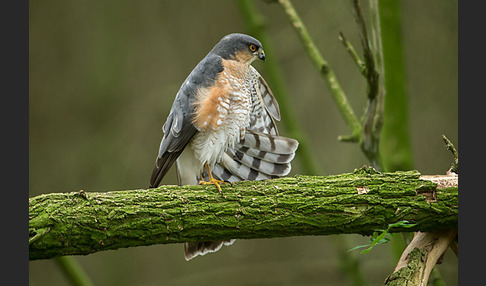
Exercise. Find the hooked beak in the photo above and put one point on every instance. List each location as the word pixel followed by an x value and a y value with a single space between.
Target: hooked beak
pixel 261 55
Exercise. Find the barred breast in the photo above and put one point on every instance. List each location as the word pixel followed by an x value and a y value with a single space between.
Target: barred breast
pixel 222 114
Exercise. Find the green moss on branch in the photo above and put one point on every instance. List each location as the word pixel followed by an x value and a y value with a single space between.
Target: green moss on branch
pixel 79 223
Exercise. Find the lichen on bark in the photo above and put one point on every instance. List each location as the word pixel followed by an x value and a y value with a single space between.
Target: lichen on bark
pixel 80 223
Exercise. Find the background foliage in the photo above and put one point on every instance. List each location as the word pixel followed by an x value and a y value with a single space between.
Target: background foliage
pixel 102 78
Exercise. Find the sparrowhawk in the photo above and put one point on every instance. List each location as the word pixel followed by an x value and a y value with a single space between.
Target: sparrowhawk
pixel 221 126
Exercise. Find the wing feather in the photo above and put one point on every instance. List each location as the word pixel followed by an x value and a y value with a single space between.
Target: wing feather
pixel 266 94
pixel 179 128
pixel 262 153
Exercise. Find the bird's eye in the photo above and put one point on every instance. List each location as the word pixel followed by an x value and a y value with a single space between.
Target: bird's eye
pixel 253 48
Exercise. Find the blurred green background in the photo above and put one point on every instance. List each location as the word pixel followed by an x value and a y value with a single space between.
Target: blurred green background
pixel 102 78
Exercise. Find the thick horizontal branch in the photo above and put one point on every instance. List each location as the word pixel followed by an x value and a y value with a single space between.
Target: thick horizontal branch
pixel 80 223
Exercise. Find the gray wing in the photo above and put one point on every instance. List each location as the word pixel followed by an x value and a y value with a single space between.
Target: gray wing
pixel 179 129
pixel 262 154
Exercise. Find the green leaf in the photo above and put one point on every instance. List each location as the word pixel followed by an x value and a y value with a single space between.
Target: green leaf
pixel 381 236
pixel 357 247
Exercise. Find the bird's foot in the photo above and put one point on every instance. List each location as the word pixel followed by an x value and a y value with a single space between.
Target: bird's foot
pixel 213 181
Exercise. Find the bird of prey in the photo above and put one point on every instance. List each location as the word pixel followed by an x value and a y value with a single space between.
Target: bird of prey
pixel 221 126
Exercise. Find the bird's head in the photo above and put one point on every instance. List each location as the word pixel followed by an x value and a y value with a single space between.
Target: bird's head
pixel 239 47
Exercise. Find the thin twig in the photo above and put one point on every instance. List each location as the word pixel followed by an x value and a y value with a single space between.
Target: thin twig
pixel 455 166
pixel 39 234
pixel 354 55
pixel 325 70
pixel 256 26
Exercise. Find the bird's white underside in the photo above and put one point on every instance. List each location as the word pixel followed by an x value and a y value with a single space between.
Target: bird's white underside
pixel 209 145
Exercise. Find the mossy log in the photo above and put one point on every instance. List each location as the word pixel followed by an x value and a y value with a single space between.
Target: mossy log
pixel 80 223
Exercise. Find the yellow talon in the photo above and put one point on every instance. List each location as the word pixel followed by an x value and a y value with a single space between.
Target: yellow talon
pixel 212 181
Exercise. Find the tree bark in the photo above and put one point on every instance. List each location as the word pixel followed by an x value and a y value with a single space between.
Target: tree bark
pixel 80 223
pixel 426 249
pixel 419 258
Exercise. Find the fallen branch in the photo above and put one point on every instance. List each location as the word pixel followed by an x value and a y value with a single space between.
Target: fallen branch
pixel 419 258
pixel 80 223
pixel 426 249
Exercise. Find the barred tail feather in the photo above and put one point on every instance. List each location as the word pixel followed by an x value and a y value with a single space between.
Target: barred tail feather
pixel 257 157
pixel 193 249
pixel 269 143
pixel 262 166
pixel 221 173
pixel 266 156
pixel 242 171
